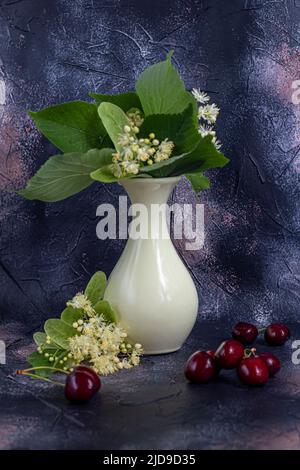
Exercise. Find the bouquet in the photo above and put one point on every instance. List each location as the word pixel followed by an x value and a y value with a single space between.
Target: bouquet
pixel 157 131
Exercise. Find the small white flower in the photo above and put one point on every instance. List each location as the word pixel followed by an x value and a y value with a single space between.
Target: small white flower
pixel 209 113
pixel 200 96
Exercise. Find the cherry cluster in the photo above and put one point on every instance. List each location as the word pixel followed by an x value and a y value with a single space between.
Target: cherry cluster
pixel 251 368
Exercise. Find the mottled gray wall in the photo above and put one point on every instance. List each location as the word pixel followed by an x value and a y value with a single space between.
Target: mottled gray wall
pixel 246 55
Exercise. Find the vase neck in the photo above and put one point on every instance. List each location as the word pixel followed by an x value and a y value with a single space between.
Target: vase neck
pixel 149 191
pixel 149 198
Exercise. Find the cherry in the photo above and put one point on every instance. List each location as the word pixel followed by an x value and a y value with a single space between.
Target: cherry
pixel 200 367
pixel 229 354
pixel 272 362
pixel 244 332
pixel 253 371
pixel 211 353
pixel 81 385
pixel 277 334
pixel 94 376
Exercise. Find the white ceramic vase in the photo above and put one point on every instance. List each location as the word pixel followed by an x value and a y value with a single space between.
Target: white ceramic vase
pixel 150 287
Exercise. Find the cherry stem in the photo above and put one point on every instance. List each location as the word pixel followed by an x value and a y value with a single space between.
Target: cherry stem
pixel 249 352
pixel 42 367
pixel 40 377
pixel 261 330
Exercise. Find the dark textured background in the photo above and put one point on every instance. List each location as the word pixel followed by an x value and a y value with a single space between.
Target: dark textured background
pixel 246 55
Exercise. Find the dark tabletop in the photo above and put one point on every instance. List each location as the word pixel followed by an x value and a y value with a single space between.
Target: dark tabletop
pixel 152 406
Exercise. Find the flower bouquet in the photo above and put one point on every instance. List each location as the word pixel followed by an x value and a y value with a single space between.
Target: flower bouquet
pixel 160 130
pixel 145 140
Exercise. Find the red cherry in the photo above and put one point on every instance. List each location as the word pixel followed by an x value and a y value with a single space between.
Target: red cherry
pixel 272 362
pixel 229 354
pixel 277 334
pixel 211 353
pixel 81 385
pixel 253 371
pixel 200 367
pixel 244 332
pixel 94 376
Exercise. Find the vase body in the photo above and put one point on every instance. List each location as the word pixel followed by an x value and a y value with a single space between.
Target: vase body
pixel 150 287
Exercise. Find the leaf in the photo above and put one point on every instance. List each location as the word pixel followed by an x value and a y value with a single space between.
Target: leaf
pixel 39 338
pixel 37 360
pixel 203 157
pixel 96 287
pixel 198 181
pixel 71 315
pixel 104 175
pixel 64 175
pixel 72 127
pixel 59 332
pixel 125 101
pixel 161 90
pixel 104 308
pixel 114 119
pixel 179 128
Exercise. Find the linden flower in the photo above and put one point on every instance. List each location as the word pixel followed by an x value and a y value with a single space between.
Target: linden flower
pixel 80 301
pixel 102 345
pixel 200 96
pixel 137 152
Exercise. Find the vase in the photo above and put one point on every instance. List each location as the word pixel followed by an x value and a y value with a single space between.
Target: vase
pixel 150 287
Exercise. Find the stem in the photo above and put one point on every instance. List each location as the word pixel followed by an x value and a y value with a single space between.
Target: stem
pixel 43 367
pixel 261 330
pixel 40 377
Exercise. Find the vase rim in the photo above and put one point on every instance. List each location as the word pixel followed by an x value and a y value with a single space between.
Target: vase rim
pixel 166 180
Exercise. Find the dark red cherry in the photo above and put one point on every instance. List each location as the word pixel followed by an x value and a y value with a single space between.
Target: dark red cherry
pixel 200 367
pixel 81 385
pixel 272 362
pixel 277 334
pixel 211 353
pixel 229 354
pixel 244 332
pixel 94 376
pixel 253 371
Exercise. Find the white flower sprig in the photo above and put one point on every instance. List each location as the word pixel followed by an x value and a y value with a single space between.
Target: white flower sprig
pixel 207 116
pixel 99 343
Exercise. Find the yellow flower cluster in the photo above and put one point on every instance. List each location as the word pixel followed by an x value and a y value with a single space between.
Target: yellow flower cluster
pixel 103 346
pixel 137 152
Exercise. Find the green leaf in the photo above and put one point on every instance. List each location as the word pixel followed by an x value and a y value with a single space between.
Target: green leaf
pixel 161 90
pixel 104 308
pixel 59 332
pixel 71 315
pixel 38 360
pixel 114 119
pixel 198 181
pixel 96 287
pixel 104 175
pixel 64 175
pixel 203 157
pixel 39 338
pixel 180 128
pixel 72 127
pixel 125 101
